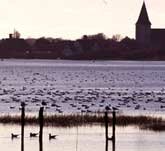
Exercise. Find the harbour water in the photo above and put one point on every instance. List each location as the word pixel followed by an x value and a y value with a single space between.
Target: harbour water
pixel 82 86
pixel 83 139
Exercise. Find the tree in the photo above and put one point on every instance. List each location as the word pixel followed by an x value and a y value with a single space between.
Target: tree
pixel 117 37
pixel 42 44
pixel 99 36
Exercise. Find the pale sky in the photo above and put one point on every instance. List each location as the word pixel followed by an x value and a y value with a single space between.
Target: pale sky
pixel 71 19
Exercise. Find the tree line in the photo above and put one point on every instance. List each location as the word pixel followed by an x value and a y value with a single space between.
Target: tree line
pixel 89 47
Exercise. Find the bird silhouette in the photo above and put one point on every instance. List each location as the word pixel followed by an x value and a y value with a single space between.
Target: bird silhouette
pixel 52 136
pixel 114 108
pixel 14 136
pixel 33 134
pixel 107 108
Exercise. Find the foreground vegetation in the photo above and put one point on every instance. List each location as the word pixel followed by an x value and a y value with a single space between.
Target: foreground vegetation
pixel 144 122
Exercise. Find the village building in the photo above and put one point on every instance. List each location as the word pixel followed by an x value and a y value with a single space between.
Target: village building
pixel 145 35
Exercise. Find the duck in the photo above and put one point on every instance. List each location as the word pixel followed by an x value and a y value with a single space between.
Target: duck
pixel 52 136
pixel 33 134
pixel 115 109
pixel 14 136
pixel 107 108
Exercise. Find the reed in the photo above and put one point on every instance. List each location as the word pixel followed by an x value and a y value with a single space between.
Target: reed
pixel 138 120
pixel 154 127
pixel 82 119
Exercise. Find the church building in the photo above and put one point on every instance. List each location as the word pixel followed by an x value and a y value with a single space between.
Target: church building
pixel 145 35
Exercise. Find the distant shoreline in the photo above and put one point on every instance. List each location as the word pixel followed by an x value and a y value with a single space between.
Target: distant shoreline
pixel 92 60
pixel 89 47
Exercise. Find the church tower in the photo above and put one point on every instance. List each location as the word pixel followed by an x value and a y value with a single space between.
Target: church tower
pixel 143 27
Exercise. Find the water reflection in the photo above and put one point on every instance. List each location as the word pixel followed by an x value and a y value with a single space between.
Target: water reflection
pixel 85 139
pixel 113 145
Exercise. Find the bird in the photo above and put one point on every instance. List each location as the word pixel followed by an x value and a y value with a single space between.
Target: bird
pixel 44 103
pixel 12 107
pixel 14 136
pixel 33 134
pixel 115 109
pixel 52 136
pixel 107 108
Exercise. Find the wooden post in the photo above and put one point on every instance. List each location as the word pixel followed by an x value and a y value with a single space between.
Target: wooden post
pixel 113 126
pixel 106 131
pixel 41 129
pixel 113 145
pixel 113 131
pixel 113 138
pixel 22 125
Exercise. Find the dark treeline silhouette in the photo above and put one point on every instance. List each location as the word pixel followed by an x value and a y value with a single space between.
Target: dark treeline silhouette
pixel 89 47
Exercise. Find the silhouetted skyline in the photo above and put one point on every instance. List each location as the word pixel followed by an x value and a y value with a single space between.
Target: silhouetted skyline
pixel 74 18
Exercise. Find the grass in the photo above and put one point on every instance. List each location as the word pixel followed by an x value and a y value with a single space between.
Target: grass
pixel 138 120
pixel 55 120
pixel 154 127
pixel 144 122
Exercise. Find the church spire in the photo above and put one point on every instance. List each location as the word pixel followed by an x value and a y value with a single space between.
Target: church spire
pixel 143 17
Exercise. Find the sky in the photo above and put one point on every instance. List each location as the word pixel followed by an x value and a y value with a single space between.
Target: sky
pixel 71 19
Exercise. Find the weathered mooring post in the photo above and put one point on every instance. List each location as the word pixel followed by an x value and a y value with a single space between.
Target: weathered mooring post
pixel 113 138
pixel 113 130
pixel 22 125
pixel 106 130
pixel 41 129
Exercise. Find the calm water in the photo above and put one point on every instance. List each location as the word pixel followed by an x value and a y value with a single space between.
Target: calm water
pixel 60 82
pixel 84 139
pixel 82 86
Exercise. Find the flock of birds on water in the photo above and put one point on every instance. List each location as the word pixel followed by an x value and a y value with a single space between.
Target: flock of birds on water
pixel 81 89
pixel 33 135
